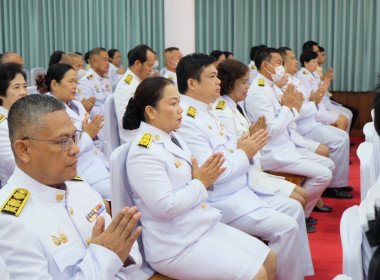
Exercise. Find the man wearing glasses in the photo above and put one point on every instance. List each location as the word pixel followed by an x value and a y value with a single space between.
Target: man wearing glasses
pixel 54 226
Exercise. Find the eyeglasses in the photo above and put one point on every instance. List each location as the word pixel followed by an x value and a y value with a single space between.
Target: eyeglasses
pixel 65 143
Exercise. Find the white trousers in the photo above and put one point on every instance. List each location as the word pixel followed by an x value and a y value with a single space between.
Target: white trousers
pixel 318 172
pixel 283 226
pixel 339 144
pixel 333 106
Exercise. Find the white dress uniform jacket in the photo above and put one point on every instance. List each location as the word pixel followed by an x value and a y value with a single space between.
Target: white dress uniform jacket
pixel 252 71
pixel 236 125
pixel 50 239
pixel 93 165
pixel 94 85
pixel 169 75
pixel 125 89
pixel 175 216
pixel 114 76
pixel 7 160
pixel 242 208
pixel 280 154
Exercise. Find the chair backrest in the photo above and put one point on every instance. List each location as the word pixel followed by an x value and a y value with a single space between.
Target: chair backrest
pixel 373 114
pixel 351 237
pixel 111 129
pixel 365 153
pixel 369 131
pixel 33 74
pixel 27 73
pixel 121 192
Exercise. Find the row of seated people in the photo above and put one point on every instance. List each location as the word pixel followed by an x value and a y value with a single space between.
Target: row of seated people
pixel 199 76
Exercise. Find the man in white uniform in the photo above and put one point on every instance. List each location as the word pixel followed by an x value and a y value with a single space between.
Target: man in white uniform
pixel 140 66
pixel 255 214
pixel 55 226
pixel 252 67
pixel 172 56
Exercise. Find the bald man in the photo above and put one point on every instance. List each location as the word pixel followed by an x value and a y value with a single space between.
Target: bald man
pixel 172 56
pixel 11 57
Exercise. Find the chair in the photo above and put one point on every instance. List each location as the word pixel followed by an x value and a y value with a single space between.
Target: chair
pixel 376 153
pixel 121 196
pixel 351 238
pixel 27 73
pixel 33 74
pixel 295 179
pixel 369 131
pixel 33 90
pixel 111 129
pixel 367 167
pixel 373 114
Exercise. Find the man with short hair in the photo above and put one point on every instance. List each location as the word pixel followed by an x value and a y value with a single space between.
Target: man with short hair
pixel 281 110
pixel 252 67
pixel 172 56
pixel 11 57
pixel 336 140
pixel 140 66
pixel 96 83
pixel 256 214
pixel 56 226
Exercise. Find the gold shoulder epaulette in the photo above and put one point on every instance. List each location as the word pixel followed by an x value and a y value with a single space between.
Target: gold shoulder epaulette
pixel 145 140
pixel 304 72
pixel 87 67
pixel 261 82
pixel 191 111
pixel 90 77
pixel 2 118
pixel 252 66
pixel 15 202
pixel 128 79
pixel 221 105
pixel 171 77
pixel 77 178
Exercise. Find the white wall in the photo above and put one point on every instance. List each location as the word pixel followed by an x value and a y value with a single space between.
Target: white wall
pixel 180 25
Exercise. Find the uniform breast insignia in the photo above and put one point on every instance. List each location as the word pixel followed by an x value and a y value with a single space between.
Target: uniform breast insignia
pixel 177 163
pixel 95 213
pixel 2 118
pixel 15 202
pixel 77 178
pixel 304 72
pixel 252 66
pixel 157 137
pixel 145 140
pixel 171 77
pixel 209 126
pixel 261 82
pixel 62 238
pixel 128 79
pixel 87 67
pixel 97 88
pixel 107 86
pixel 80 92
pixel 221 105
pixel 90 77
pixel 191 111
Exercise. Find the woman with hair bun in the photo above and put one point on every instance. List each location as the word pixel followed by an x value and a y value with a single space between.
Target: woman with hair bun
pixel 61 82
pixel 180 228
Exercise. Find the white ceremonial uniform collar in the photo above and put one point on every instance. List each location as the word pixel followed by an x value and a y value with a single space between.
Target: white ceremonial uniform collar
pixel 201 106
pixel 230 102
pixel 268 83
pixel 4 111
pixel 20 179
pixel 308 72
pixel 96 75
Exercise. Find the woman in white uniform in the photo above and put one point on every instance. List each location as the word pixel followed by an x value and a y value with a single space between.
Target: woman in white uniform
pixel 182 234
pixel 234 77
pixel 13 86
pixel 116 70
pixel 61 81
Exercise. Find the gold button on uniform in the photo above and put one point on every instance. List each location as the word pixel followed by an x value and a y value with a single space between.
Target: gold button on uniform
pixel 88 241
pixel 71 211
pixel 157 138
pixel 221 133
pixel 59 197
pixel 204 206
pixel 231 151
pixel 95 152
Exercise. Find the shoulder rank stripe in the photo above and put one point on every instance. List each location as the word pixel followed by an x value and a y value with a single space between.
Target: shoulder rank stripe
pixel 146 140
pixel 2 118
pixel 128 79
pixel 192 112
pixel 90 77
pixel 261 82
pixel 304 72
pixel 77 178
pixel 15 202
pixel 221 105
pixel 252 66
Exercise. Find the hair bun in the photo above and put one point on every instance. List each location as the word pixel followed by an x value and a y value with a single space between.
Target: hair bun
pixel 41 83
pixel 132 116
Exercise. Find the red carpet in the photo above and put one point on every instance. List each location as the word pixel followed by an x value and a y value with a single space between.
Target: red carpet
pixel 325 245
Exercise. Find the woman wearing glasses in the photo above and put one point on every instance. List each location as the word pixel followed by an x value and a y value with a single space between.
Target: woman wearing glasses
pixel 182 234
pixel 13 86
pixel 61 81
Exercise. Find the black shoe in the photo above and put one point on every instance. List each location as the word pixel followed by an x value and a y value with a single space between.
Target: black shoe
pixel 350 162
pixel 352 144
pixel 347 189
pixel 324 209
pixel 311 221
pixel 337 193
pixel 310 229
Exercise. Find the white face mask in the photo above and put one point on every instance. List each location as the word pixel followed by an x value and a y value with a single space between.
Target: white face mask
pixel 80 74
pixel 156 64
pixel 280 72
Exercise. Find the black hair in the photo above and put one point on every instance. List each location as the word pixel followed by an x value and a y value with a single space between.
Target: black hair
pixel 216 54
pixel 55 57
pixel 87 57
pixel 227 54
pixel 376 106
pixel 78 53
pixel 55 72
pixel 306 56
pixel 148 93
pixel 254 51
pixel 138 53
pixel 191 67
pixel 321 49
pixel 112 52
pixel 264 54
pixel 282 52
pixel 229 71
pixel 308 46
pixel 8 72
